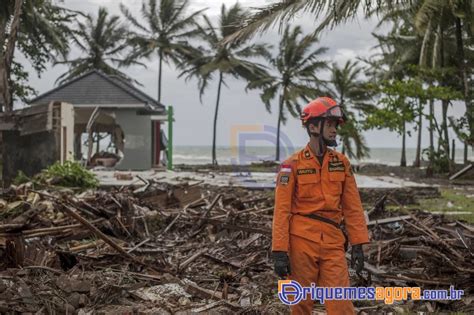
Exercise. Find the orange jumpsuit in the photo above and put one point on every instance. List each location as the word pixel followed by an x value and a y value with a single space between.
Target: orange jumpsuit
pixel 315 248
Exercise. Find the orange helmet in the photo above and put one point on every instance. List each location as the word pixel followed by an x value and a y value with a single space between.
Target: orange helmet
pixel 322 107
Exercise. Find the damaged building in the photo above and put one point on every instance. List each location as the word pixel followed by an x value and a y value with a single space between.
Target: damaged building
pixel 106 107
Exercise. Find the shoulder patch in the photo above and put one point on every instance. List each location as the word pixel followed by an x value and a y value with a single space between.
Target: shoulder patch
pixel 284 179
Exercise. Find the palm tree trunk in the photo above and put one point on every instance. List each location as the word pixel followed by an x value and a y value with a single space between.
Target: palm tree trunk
pixel 444 127
pixel 418 142
pixel 280 112
pixel 6 59
pixel 214 132
pixel 453 151
pixel 403 161
pixel 429 169
pixel 160 66
pixel 465 152
pixel 431 127
pixel 463 71
pixel 444 104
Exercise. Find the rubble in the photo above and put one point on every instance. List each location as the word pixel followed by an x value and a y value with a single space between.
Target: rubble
pixel 196 248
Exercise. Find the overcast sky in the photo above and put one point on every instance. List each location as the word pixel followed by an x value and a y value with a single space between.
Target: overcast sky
pixel 193 124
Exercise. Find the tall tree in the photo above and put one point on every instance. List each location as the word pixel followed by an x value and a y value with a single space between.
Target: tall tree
pixel 39 30
pixel 166 33
pixel 296 66
pixel 6 57
pixel 396 109
pixel 231 59
pixel 102 41
pixel 459 16
pixel 349 91
pixel 399 50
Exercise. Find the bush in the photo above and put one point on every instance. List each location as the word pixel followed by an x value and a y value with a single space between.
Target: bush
pixel 439 161
pixel 69 174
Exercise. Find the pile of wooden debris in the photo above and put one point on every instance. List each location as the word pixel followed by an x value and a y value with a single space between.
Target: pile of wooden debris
pixel 195 248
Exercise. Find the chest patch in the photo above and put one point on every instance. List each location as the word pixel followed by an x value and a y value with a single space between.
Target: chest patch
pixel 305 171
pixel 336 166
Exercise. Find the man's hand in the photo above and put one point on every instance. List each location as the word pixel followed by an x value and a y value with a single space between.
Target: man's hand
pixel 281 264
pixel 357 258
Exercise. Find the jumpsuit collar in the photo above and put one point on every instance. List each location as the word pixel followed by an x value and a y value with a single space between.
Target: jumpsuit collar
pixel 308 154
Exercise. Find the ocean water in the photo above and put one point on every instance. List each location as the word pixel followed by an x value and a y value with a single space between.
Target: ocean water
pixel 249 154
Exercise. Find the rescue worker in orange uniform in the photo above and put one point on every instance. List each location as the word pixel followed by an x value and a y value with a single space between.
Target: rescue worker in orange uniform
pixel 315 192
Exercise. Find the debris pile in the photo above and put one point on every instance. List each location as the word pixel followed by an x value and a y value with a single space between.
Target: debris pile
pixel 423 250
pixel 194 248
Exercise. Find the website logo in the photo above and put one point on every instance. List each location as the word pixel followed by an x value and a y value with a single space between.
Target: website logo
pixel 254 143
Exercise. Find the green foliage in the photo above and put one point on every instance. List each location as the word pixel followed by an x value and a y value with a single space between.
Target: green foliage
pixel 44 30
pixel 43 35
pixel 69 174
pixel 21 178
pixel 439 160
pixel 398 99
pixel 399 102
pixel 22 91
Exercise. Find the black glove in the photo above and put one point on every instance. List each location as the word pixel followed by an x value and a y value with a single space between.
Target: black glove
pixel 357 257
pixel 281 264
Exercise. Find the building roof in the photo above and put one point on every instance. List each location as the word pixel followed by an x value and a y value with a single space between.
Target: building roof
pixel 95 88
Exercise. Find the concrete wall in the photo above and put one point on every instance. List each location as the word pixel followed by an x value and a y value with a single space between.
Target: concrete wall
pixel 138 140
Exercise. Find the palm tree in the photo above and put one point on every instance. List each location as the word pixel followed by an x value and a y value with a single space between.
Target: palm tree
pixel 335 12
pixel 166 34
pixel 350 92
pixel 102 40
pixel 37 28
pixel 232 59
pixel 297 66
pixel 443 16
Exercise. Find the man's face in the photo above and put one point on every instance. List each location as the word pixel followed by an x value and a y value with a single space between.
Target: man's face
pixel 330 129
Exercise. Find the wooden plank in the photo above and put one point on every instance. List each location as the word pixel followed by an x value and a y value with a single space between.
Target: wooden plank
pixel 461 172
pixel 389 220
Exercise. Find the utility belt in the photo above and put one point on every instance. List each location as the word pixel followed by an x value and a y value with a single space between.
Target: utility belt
pixel 329 221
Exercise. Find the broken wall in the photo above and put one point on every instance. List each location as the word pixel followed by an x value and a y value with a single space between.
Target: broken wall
pixel 67 132
pixel 35 137
pixel 28 153
pixel 138 140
